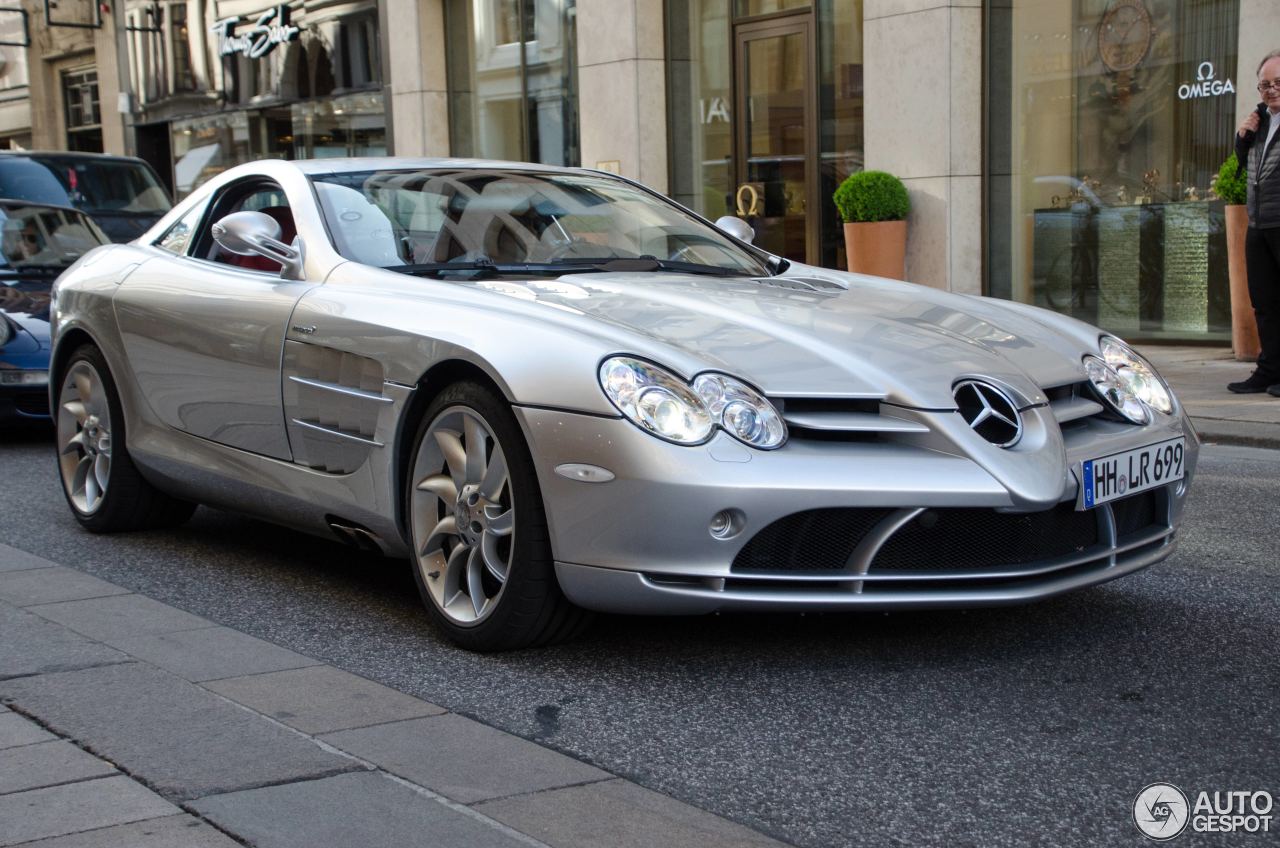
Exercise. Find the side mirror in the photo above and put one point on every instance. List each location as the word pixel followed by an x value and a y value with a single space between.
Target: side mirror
pixel 736 227
pixel 257 234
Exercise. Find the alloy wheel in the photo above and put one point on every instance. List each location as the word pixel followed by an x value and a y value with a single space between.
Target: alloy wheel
pixel 84 436
pixel 463 515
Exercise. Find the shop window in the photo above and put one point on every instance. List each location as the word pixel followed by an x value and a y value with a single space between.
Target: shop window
pixel 82 110
pixel 1107 121
pixel 513 79
pixel 359 60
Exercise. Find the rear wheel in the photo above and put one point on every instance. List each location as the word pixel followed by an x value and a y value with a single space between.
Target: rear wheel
pixel 104 489
pixel 482 555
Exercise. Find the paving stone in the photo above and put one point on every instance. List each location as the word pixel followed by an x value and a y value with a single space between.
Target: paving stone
pixel 12 559
pixel 368 810
pixel 120 617
pixel 50 585
pixel 16 730
pixel 618 814
pixel 211 653
pixel 169 832
pixel 33 645
pixel 183 741
pixel 463 759
pixel 47 764
pixel 76 807
pixel 322 699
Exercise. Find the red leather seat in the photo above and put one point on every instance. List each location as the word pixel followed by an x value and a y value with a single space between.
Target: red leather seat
pixel 284 217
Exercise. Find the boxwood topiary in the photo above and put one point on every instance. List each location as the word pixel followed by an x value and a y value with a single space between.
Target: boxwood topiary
pixel 1231 188
pixel 872 196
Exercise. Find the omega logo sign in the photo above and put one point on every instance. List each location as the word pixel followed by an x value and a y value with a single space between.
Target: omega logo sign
pixel 272 27
pixel 1205 85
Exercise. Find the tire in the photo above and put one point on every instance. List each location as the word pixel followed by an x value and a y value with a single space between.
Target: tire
pixel 482 553
pixel 102 486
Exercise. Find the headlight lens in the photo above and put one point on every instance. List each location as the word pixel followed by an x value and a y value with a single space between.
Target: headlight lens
pixel 1115 391
pixel 741 411
pixel 1137 374
pixel 656 399
pixel 666 406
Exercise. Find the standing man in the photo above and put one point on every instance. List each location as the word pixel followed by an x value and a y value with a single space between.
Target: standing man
pixel 1258 144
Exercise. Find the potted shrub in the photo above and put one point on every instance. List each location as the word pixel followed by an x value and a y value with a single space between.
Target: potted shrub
pixel 874 207
pixel 1244 328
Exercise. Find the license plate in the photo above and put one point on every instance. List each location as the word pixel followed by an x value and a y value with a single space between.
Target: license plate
pixel 1121 474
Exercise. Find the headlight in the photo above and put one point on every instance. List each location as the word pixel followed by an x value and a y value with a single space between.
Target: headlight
pixel 656 399
pixel 1115 391
pixel 1137 374
pixel 741 411
pixel 666 406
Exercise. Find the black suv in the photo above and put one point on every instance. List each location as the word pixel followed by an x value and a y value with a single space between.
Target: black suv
pixel 122 194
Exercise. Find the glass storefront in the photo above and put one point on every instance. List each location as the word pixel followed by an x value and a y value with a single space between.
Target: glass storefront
pixel 312 88
pixel 512 68
pixel 765 115
pixel 1107 121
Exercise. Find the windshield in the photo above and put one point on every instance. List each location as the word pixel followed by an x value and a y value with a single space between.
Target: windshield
pixel 22 179
pixel 108 185
pixel 413 220
pixel 34 236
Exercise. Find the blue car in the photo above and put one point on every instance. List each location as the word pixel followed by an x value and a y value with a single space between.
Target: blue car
pixel 37 243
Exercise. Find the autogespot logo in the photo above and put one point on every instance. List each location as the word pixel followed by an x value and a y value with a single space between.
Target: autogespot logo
pixel 1160 811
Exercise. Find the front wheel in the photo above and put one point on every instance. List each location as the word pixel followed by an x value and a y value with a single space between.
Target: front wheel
pixel 482 555
pixel 103 487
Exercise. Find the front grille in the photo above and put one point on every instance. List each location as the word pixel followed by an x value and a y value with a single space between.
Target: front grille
pixel 1134 513
pixel 970 539
pixel 815 540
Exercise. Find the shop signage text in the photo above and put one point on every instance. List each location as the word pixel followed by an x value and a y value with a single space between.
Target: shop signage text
pixel 1205 85
pixel 272 27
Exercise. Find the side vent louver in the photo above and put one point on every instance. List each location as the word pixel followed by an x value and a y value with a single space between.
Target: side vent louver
pixel 332 403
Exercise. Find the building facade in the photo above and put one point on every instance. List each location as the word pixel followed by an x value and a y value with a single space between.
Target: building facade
pixel 1057 152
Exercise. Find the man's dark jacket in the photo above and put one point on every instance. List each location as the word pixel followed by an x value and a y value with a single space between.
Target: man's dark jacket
pixel 1263 175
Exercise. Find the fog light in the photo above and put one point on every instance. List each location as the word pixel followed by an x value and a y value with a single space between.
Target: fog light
pixel 726 523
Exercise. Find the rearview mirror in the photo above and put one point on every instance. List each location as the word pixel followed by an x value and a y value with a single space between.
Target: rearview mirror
pixel 736 227
pixel 258 234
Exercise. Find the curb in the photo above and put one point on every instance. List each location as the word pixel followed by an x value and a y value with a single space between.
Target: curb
pixel 1242 433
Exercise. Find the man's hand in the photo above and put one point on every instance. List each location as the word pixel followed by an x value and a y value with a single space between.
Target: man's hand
pixel 1248 125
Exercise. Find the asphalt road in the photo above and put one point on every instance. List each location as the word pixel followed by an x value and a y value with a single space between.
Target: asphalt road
pixel 1034 725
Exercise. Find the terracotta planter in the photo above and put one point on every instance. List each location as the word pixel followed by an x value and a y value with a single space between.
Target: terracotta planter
pixel 1244 328
pixel 878 248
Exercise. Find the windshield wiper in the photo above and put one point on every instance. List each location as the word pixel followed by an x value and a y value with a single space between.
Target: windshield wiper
pixel 653 263
pixel 487 267
pixel 33 269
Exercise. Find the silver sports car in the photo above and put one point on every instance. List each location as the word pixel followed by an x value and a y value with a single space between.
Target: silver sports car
pixel 556 391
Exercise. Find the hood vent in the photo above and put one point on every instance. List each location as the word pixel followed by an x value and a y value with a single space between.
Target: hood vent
pixel 842 419
pixel 808 285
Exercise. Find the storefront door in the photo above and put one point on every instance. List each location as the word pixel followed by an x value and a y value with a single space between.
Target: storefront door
pixel 775 149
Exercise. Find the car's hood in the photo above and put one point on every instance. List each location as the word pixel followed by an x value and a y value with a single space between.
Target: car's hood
pixel 803 334
pixel 26 304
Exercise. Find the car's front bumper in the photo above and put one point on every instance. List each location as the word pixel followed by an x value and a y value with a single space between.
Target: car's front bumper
pixel 24 404
pixel 641 542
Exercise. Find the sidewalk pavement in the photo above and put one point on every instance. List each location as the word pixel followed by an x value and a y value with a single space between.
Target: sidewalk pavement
pixel 128 723
pixel 1199 377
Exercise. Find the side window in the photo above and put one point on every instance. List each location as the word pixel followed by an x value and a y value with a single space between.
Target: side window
pixel 179 235
pixel 259 196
